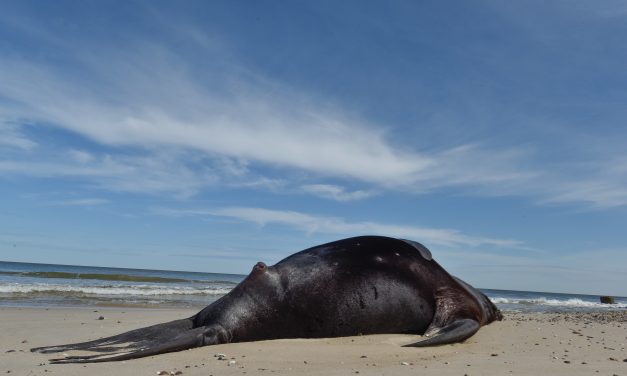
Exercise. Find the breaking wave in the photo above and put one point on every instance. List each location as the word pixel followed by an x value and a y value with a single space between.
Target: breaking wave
pixel 134 290
pixel 543 301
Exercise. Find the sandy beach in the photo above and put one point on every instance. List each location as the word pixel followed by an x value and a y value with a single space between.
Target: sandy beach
pixel 522 344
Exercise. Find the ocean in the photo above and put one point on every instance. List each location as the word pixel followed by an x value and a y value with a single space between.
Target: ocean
pixel 45 285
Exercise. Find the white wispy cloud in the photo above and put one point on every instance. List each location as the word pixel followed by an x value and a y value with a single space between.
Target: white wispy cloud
pixel 265 183
pixel 235 127
pixel 81 202
pixel 335 225
pixel 10 135
pixel 81 156
pixel 604 185
pixel 285 129
pixel 336 192
pixel 154 173
pixel 235 121
pixel 142 95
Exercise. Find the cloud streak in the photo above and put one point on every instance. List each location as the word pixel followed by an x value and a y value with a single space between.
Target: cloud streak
pixel 151 173
pixel 11 136
pixel 142 95
pixel 240 123
pixel 333 225
pixel 81 202
pixel 335 192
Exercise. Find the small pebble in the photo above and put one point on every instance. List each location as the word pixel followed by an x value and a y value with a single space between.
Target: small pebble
pixel 567 361
pixel 232 362
pixel 100 317
pixel 163 373
pixel 404 363
pixel 494 354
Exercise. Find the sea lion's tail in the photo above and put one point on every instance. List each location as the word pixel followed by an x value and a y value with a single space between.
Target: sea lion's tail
pixel 157 339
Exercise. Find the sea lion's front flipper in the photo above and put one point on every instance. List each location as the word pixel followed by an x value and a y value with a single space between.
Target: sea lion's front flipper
pixel 456 331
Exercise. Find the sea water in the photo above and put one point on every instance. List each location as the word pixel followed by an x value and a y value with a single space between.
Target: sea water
pixel 28 284
pixel 45 285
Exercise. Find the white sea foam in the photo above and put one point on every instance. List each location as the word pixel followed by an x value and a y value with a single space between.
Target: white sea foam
pixel 146 290
pixel 573 302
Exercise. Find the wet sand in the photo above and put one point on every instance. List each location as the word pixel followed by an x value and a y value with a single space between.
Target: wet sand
pixel 522 344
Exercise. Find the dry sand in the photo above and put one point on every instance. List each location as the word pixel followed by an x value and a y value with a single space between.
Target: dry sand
pixel 522 344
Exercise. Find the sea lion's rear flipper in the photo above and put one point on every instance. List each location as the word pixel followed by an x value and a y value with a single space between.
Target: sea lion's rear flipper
pixel 456 331
pixel 133 338
pixel 186 340
pixel 157 339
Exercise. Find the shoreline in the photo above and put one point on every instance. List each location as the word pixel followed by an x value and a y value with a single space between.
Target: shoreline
pixel 523 343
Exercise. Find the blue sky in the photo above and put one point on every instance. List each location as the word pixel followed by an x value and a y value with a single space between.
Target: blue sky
pixel 206 136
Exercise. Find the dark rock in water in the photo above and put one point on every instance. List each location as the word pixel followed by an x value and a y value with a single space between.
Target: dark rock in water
pixel 607 300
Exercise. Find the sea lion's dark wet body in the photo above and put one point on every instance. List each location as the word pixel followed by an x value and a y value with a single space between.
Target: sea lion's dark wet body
pixel 362 285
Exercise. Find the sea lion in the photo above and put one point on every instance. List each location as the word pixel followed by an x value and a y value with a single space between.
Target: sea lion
pixel 360 285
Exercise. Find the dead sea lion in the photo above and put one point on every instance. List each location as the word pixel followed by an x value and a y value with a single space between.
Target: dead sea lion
pixel 361 285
